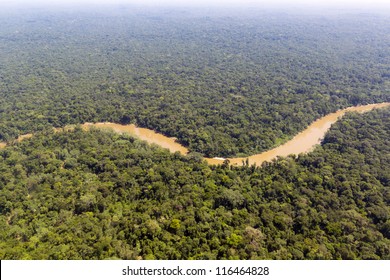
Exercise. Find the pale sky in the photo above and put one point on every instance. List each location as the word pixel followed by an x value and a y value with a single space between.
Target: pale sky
pixel 242 3
pixel 316 6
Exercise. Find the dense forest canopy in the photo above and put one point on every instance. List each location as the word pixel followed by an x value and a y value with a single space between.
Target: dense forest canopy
pixel 98 195
pixel 225 84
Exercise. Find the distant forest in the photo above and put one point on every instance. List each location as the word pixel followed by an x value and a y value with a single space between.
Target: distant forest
pixel 228 85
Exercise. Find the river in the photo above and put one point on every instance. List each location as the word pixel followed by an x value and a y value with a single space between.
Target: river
pixel 303 142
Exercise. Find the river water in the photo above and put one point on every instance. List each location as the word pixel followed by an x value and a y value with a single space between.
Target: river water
pixel 144 134
pixel 303 142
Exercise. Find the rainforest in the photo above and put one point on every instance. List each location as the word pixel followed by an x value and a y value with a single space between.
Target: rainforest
pixel 220 83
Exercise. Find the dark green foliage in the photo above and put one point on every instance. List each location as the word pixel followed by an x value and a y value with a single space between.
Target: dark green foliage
pixel 98 195
pixel 223 85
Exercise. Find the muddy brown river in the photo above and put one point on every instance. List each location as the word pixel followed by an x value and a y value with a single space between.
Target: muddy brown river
pixel 303 142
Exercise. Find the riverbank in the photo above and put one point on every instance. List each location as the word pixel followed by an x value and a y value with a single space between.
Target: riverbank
pixel 303 142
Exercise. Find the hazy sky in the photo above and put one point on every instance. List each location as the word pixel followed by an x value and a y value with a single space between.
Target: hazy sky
pixel 249 3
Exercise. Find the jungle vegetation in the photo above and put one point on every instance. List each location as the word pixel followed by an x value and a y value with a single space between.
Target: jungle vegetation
pixel 100 195
pixel 224 85
pixel 231 83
